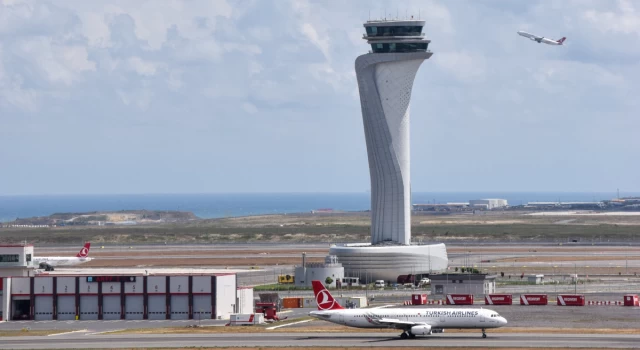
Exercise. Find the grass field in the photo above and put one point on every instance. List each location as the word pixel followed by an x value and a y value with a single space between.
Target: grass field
pixel 352 227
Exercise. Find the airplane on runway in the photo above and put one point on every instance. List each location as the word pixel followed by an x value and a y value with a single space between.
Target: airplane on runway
pixel 411 321
pixel 541 39
pixel 49 262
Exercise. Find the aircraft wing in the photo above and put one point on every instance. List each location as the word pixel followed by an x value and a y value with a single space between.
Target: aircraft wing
pixel 382 306
pixel 530 36
pixel 393 322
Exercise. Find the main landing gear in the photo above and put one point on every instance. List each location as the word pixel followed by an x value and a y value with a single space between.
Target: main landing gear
pixel 406 335
pixel 484 335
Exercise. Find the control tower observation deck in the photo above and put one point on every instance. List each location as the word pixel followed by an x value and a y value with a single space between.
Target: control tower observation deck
pixel 385 80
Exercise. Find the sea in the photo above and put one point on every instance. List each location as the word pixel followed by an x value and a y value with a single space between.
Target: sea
pixel 208 206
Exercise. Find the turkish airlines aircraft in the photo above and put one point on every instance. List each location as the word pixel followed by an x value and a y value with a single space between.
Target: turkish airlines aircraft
pixel 412 321
pixel 49 262
pixel 541 39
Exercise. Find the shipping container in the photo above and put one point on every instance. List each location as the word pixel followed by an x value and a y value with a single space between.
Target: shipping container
pixel 418 299
pixel 360 301
pixel 533 299
pixel 571 300
pixel 245 319
pixel 498 299
pixel 631 300
pixel 292 303
pixel 459 299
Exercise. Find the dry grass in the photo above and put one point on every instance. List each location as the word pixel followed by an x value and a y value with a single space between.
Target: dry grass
pixel 37 333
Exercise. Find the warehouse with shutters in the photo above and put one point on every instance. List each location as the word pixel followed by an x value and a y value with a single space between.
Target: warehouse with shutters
pixel 119 297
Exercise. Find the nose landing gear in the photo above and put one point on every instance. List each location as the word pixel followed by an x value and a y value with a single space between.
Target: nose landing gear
pixel 484 335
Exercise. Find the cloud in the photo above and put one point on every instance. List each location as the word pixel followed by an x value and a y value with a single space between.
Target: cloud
pixel 131 84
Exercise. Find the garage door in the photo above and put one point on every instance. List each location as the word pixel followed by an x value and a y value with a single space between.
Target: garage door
pixel 202 307
pixel 66 307
pixel 157 307
pixel 88 307
pixel 44 307
pixel 111 307
pixel 179 307
pixel 134 307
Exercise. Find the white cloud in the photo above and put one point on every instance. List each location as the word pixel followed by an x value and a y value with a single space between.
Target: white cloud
pixel 625 20
pixel 142 67
pixel 249 108
pixel 463 66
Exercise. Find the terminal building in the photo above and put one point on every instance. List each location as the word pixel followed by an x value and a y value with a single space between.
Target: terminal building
pixel 114 297
pixel 460 283
pixel 488 204
pixel 385 78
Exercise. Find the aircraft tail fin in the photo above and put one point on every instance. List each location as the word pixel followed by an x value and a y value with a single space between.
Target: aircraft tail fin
pixel 324 299
pixel 84 252
pixel 561 40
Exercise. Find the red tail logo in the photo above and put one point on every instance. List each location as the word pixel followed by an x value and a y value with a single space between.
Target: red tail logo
pixel 324 299
pixel 84 252
pixel 562 40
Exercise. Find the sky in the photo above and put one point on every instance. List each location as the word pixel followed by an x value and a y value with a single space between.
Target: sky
pixel 160 96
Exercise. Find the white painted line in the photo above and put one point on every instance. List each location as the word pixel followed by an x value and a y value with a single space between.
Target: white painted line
pixel 105 332
pixel 289 324
pixel 81 330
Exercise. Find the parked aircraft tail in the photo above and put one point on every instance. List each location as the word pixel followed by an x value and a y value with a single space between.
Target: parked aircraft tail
pixel 324 299
pixel 84 252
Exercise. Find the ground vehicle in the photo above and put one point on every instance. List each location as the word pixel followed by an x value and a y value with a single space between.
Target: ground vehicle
pixel 423 282
pixel 379 284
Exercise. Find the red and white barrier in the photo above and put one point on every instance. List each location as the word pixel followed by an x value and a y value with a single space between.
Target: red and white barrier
pixel 533 299
pixel 459 299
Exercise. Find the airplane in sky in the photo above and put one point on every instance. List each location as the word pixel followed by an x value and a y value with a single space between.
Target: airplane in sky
pixel 411 321
pixel 541 39
pixel 49 262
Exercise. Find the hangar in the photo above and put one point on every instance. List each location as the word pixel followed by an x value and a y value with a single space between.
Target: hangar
pixel 95 296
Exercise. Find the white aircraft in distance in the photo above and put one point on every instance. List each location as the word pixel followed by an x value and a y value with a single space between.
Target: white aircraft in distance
pixel 541 39
pixel 49 262
pixel 411 321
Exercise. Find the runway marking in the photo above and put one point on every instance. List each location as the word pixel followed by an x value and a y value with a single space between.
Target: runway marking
pixel 289 324
pixel 105 332
pixel 81 330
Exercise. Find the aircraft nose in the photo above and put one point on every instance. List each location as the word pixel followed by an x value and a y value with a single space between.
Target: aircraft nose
pixel 503 321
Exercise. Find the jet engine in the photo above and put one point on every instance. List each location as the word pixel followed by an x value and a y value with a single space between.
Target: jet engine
pixel 45 266
pixel 421 330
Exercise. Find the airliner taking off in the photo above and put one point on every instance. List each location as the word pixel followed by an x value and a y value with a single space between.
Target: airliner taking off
pixel 412 321
pixel 49 262
pixel 541 39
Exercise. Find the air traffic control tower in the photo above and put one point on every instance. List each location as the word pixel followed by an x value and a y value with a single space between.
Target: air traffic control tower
pixel 385 80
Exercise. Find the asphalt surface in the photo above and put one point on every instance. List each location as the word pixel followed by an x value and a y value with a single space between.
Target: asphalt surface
pixel 111 325
pixel 93 341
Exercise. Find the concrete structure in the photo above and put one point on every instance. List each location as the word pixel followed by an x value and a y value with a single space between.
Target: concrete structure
pixel 120 297
pixel 488 203
pixel 371 263
pixel 16 260
pixel 308 272
pixel 535 279
pixel 459 283
pixel 385 81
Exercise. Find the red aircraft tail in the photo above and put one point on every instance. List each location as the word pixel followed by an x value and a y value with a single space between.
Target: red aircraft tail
pixel 562 40
pixel 84 252
pixel 324 299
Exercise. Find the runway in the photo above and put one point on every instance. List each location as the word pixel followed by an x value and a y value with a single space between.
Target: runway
pixel 277 340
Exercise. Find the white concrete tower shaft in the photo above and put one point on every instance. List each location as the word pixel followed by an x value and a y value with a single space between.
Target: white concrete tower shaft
pixel 385 80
